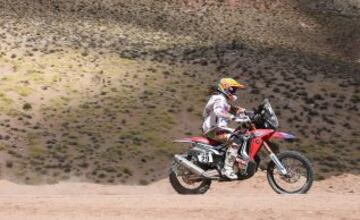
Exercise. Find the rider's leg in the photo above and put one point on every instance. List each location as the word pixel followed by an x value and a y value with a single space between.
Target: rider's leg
pixel 219 135
pixel 231 152
pixel 230 156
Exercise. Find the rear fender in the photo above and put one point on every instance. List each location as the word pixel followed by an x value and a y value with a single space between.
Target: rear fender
pixel 183 140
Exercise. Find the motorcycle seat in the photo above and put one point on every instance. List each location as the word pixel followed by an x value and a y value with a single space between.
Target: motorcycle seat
pixel 205 140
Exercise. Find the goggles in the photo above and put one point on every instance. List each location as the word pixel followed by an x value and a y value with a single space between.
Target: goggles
pixel 232 90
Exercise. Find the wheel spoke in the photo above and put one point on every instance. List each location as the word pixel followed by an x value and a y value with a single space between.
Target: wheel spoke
pixel 296 177
pixel 186 178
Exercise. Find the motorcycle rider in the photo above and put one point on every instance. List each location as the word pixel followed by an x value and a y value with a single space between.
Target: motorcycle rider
pixel 217 114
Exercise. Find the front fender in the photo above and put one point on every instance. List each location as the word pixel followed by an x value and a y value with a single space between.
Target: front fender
pixel 282 135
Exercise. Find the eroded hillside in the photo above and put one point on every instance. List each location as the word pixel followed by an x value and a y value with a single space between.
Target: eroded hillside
pixel 96 90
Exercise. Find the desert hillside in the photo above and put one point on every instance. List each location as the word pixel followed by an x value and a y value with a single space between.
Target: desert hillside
pixel 96 91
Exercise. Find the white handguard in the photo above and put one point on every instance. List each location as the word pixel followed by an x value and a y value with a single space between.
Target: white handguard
pixel 243 119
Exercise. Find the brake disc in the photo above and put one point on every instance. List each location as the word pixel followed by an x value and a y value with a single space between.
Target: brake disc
pixel 188 180
pixel 291 176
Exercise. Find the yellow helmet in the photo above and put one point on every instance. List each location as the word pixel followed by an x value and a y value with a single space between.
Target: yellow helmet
pixel 228 87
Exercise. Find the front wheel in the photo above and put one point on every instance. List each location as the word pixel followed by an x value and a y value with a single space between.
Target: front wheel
pixel 184 182
pixel 300 174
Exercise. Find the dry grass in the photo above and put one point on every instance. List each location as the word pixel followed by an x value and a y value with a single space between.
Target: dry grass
pixel 101 99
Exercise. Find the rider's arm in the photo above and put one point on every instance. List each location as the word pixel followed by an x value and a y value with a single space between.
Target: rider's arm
pixel 220 109
pixel 237 110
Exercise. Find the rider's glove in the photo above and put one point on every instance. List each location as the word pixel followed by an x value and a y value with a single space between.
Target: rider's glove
pixel 242 119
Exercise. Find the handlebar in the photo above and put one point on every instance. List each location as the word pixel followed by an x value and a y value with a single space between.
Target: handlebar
pixel 242 119
pixel 248 112
pixel 248 122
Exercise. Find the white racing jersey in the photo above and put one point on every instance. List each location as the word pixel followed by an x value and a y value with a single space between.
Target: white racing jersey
pixel 216 113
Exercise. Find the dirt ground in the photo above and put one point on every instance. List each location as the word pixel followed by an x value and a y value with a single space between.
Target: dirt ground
pixel 334 198
pixel 92 93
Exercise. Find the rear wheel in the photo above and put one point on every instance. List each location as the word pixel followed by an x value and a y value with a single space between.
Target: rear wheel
pixel 184 182
pixel 300 175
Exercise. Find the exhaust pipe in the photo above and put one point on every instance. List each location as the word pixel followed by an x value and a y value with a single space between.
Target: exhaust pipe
pixel 189 165
pixel 209 174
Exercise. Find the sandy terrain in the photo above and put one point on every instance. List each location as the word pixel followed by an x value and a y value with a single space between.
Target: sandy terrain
pixel 95 91
pixel 334 198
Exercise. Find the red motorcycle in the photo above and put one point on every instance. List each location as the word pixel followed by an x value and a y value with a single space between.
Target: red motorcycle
pixel 288 172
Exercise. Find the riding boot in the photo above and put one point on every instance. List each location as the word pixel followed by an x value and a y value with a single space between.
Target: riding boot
pixel 230 157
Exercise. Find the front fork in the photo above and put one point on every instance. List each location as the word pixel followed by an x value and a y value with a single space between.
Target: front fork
pixel 276 161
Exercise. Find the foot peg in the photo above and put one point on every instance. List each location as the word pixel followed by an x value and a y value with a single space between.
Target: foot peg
pixel 229 174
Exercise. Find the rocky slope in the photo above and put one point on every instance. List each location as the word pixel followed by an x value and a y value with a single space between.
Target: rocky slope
pixel 96 90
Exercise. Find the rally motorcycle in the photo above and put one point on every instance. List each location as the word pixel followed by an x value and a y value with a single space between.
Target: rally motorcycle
pixel 288 172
